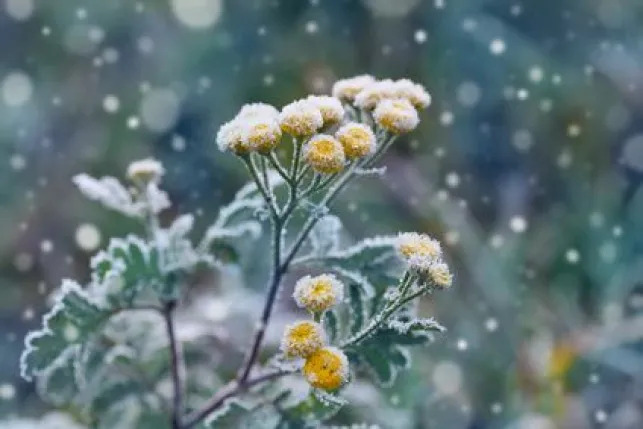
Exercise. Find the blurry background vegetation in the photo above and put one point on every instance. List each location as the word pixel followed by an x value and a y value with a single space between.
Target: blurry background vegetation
pixel 528 166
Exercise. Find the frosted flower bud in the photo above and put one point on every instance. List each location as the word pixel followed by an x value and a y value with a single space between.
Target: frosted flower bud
pixel 325 154
pixel 357 140
pixel 327 368
pixel 413 245
pixel 372 94
pixel 302 339
pixel 414 92
pixel 262 134
pixel 145 171
pixel 330 107
pixel 317 294
pixel 347 89
pixel 254 110
pixel 397 116
pixel 230 137
pixel 301 118
pixel 440 275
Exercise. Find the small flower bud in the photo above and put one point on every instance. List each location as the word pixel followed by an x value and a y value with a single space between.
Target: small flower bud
pixel 372 94
pixel 262 134
pixel 302 339
pixel 347 89
pixel 357 140
pixel 317 294
pixel 301 118
pixel 325 154
pixel 330 107
pixel 412 244
pixel 327 368
pixel 414 92
pixel 145 171
pixel 231 137
pixel 397 116
pixel 440 275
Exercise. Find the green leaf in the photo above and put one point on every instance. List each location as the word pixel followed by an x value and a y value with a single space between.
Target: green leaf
pixel 357 308
pixel 244 415
pixel 331 325
pixel 74 318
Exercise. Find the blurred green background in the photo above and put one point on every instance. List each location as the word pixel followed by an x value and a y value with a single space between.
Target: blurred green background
pixel 527 165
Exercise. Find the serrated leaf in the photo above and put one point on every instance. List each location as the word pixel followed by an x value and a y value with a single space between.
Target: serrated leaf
pixel 56 384
pixel 73 319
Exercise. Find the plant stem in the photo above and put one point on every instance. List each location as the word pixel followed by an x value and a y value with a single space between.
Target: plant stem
pixel 229 391
pixel 176 366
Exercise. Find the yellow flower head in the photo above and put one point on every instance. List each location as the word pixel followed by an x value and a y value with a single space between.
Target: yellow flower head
pixel 330 108
pixel 439 275
pixel 319 293
pixel 145 171
pixel 413 245
pixel 357 139
pixel 262 134
pixel 302 339
pixel 327 368
pixel 397 116
pixel 372 94
pixel 254 110
pixel 347 89
pixel 325 154
pixel 414 92
pixel 230 137
pixel 301 118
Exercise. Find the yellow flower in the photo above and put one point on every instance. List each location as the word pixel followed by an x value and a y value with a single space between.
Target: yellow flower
pixel 372 94
pixel 440 275
pixel 325 154
pixel 301 118
pixel 327 368
pixel 262 134
pixel 319 293
pixel 145 171
pixel 414 92
pixel 330 108
pixel 347 89
pixel 397 116
pixel 230 137
pixel 302 339
pixel 412 244
pixel 357 139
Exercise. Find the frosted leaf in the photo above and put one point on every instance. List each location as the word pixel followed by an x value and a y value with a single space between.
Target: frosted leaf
pixel 54 420
pixel 49 346
pixel 243 415
pixel 113 195
pixel 325 236
pixel 376 171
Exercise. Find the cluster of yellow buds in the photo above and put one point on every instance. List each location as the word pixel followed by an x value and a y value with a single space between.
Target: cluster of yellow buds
pixel 325 367
pixel 330 136
pixel 423 256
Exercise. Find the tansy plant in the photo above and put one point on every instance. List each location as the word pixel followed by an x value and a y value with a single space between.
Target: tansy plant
pixel 98 352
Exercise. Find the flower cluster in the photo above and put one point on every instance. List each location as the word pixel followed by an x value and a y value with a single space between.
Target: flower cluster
pixel 325 367
pixel 333 130
pixel 145 171
pixel 423 256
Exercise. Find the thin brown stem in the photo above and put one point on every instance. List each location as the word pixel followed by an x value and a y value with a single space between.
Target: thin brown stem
pixel 176 366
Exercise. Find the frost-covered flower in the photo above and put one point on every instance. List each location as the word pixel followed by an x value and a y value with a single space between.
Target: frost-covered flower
pixel 319 293
pixel 372 94
pixel 397 116
pixel 357 139
pixel 301 118
pixel 414 92
pixel 230 137
pixel 347 89
pixel 330 107
pixel 302 339
pixel 261 133
pixel 413 245
pixel 145 171
pixel 254 110
pixel 327 368
pixel 325 154
pixel 440 275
